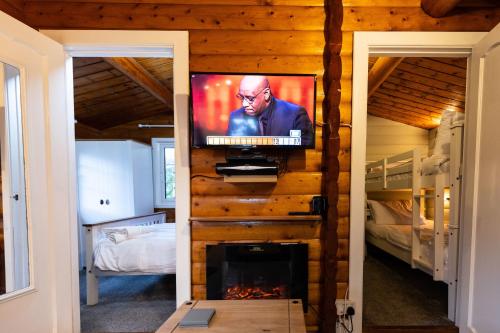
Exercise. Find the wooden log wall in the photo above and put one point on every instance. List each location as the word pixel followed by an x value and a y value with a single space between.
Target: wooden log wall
pixel 262 36
pixel 281 36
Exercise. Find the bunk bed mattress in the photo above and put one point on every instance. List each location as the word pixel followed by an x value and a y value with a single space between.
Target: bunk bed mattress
pixel 152 252
pixel 399 235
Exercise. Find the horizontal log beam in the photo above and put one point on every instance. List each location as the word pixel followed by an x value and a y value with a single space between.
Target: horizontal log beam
pixel 389 18
pixel 137 73
pixel 174 16
pixel 438 8
pixel 380 71
pixel 269 232
pixel 255 205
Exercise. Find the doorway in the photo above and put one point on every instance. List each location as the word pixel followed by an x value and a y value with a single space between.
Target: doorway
pixel 139 45
pixel 388 44
pixel 125 166
pixel 413 153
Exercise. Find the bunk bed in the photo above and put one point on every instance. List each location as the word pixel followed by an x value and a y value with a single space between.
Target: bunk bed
pixel 428 245
pixel 140 245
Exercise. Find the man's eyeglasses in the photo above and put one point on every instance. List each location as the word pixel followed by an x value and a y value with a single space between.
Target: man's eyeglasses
pixel 249 99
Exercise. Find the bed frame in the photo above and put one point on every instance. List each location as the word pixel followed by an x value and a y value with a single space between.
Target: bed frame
pixel 92 236
pixel 403 172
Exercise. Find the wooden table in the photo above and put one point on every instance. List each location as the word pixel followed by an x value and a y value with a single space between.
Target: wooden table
pixel 250 316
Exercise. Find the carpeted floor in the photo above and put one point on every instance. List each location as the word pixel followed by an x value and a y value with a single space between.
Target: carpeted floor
pixel 128 304
pixel 394 294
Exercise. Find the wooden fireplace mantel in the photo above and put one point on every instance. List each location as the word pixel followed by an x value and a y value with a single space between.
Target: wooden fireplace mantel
pixel 278 219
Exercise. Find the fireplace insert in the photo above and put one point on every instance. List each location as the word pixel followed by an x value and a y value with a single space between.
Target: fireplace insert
pixel 257 271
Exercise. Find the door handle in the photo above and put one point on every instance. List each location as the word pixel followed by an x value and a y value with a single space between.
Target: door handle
pixel 15 197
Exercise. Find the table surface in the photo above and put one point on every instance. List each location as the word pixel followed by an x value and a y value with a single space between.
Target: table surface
pixel 245 316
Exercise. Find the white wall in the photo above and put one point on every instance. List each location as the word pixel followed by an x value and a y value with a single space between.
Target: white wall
pixel 386 137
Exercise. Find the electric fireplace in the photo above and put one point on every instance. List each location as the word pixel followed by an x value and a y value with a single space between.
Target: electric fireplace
pixel 257 271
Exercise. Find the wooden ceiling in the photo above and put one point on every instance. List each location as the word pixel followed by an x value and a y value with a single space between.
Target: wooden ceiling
pixel 418 90
pixel 112 91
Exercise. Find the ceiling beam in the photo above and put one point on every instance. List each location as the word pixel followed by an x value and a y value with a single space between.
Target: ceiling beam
pixel 380 71
pixel 438 8
pixel 137 73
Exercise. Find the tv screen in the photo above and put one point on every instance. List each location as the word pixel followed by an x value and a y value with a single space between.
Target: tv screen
pixel 247 110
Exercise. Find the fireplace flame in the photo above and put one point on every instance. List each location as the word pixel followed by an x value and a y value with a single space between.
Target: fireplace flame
pixel 239 292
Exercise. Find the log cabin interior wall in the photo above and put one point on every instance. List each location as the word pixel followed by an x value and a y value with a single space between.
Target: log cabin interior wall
pixel 284 36
pixel 229 36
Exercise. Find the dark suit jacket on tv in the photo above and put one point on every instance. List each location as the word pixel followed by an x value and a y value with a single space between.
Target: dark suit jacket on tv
pixel 279 118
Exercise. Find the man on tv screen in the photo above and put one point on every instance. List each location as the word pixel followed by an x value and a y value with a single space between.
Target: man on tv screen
pixel 262 114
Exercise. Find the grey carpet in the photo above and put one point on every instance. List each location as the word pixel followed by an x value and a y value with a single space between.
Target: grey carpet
pixel 394 294
pixel 128 304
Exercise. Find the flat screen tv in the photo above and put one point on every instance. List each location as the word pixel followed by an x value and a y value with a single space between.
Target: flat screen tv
pixel 253 110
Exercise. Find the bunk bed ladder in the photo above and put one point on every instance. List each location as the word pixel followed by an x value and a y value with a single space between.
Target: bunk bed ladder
pixel 416 208
pixel 438 265
pixel 456 158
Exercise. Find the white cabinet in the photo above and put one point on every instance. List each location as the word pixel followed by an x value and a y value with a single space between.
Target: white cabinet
pixel 115 180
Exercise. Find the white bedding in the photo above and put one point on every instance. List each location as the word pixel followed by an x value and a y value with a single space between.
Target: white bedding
pixel 400 235
pixel 151 252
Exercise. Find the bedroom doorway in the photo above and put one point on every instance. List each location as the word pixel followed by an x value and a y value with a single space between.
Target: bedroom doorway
pixel 136 46
pixel 414 141
pixel 402 45
pixel 125 168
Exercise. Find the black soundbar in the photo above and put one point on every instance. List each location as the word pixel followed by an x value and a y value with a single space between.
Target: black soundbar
pixel 240 169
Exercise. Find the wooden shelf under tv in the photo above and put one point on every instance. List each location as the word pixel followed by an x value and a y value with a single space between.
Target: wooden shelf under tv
pixel 251 179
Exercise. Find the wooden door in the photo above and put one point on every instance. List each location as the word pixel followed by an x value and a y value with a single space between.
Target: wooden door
pixel 45 303
pixel 485 269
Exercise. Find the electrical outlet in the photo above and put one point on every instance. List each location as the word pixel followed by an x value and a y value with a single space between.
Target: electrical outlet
pixel 343 305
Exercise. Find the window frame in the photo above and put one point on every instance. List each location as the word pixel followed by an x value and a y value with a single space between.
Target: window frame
pixel 158 148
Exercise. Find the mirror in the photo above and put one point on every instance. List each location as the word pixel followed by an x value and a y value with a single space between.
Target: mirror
pixel 14 254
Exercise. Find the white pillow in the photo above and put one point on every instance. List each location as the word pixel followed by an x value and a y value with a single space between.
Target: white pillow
pixel 380 213
pixel 393 212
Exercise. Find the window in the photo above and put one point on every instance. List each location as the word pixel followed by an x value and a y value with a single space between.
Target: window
pixel 164 172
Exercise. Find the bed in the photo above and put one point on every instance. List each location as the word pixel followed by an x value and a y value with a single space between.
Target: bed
pixel 140 245
pixel 396 240
pixel 431 246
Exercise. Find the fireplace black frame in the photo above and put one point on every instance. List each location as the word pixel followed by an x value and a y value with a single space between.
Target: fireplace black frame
pixel 296 254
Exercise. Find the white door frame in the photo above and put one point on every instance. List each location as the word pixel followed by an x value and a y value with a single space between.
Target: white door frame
pixel 397 44
pixel 107 43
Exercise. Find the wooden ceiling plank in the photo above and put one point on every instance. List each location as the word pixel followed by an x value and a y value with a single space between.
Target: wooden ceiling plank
pixel 122 116
pixel 91 69
pixel 104 85
pixel 115 95
pixel 408 121
pixel 429 82
pixel 438 67
pixel 426 89
pixel 104 92
pixel 80 62
pixel 130 103
pixel 443 77
pixel 401 117
pixel 397 105
pixel 403 112
pixel 143 78
pixel 438 8
pixel 90 112
pixel 458 62
pixel 402 101
pixel 138 94
pixel 380 71
pixel 93 78
pixel 419 97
